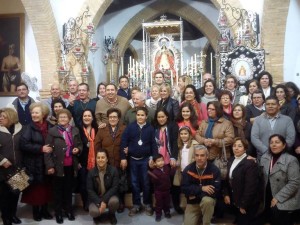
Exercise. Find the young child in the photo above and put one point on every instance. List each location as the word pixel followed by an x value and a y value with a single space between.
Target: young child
pixel 160 177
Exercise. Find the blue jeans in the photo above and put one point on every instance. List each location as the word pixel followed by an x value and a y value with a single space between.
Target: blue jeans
pixel 140 181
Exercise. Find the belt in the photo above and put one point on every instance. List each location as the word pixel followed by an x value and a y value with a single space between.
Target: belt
pixel 136 158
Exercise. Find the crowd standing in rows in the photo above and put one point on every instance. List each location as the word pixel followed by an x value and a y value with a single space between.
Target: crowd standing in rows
pixel 163 144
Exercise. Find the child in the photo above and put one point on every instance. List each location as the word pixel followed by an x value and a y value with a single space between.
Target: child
pixel 160 177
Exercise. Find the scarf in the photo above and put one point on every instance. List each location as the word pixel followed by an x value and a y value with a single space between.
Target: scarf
pixel 66 132
pixel 91 154
pixel 240 125
pixel 113 133
pixel 43 127
pixel 153 103
pixel 211 123
pixel 281 102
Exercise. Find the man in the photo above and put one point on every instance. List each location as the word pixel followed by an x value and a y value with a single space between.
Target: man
pixel 139 100
pixel 21 104
pixel 84 102
pixel 205 77
pixel 271 122
pixel 124 90
pixel 110 100
pixel 201 182
pixel 231 85
pixel 55 92
pixel 257 107
pixel 159 78
pixel 72 91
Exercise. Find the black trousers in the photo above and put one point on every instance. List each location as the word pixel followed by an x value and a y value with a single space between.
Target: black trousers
pixel 8 201
pixel 81 179
pixel 62 191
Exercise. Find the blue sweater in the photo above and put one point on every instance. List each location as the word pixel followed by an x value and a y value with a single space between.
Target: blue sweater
pixel 131 137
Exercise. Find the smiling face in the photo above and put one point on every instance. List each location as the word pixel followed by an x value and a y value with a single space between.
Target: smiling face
pixel 211 111
pixel 37 115
pixel 57 106
pixel 238 148
pixel 189 94
pixel 87 118
pixel 159 79
pixel 63 119
pixel 22 92
pixel 4 121
pixel 83 92
pixel 184 135
pixel 102 91
pixel 280 94
pixel 201 156
pixel 73 87
pixel 237 113
pixel 230 84
pixel 162 118
pixel 264 81
pixel 111 92
pixel 252 87
pixel 113 119
pixel 141 117
pixel 159 163
pixel 101 160
pixel 155 93
pixel 209 88
pixel 276 145
pixel 55 91
pixel 164 93
pixel 186 113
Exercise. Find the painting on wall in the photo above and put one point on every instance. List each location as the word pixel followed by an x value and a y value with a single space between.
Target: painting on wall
pixel 11 52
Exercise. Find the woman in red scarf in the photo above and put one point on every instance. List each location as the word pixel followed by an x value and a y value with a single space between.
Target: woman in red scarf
pixel 225 99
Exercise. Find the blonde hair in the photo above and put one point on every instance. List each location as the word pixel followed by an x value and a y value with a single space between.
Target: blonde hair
pixel 42 106
pixel 166 86
pixel 11 115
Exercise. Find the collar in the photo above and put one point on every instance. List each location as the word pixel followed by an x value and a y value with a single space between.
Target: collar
pixel 141 125
pixel 274 117
pixel 101 169
pixel 241 157
pixel 24 102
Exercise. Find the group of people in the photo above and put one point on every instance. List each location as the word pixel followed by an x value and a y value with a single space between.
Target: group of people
pixel 163 144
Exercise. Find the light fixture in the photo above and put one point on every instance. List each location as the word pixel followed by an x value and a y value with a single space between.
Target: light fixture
pixel 111 48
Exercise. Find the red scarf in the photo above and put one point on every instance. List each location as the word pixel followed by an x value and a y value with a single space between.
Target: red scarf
pixel 91 155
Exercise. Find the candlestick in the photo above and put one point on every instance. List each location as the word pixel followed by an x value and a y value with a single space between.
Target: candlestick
pixel 211 63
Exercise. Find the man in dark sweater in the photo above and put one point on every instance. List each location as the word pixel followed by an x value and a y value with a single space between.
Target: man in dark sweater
pixel 124 89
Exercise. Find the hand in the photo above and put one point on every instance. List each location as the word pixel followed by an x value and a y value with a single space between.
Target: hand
pixel 151 163
pixel 102 207
pixel 209 189
pixel 227 200
pixel 243 211
pixel 274 202
pixel 123 164
pixel 102 125
pixel 47 149
pixel 7 164
pixel 75 151
pixel 173 163
pixel 297 150
pixel 206 142
pixel 51 171
pixel 71 99
pixel 126 151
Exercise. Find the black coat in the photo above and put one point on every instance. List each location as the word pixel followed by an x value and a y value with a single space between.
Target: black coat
pixel 172 107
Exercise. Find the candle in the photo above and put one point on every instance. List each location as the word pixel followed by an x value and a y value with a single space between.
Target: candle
pixel 130 64
pixel 171 79
pixel 151 74
pixel 122 66
pixel 211 63
pixel 109 75
pixel 112 70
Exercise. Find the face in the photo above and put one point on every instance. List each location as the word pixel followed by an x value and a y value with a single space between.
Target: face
pixel 211 111
pixel 291 92
pixel 111 92
pixel 189 94
pixel 159 79
pixel 87 118
pixel 186 113
pixel 113 119
pixel 37 115
pixel 238 148
pixel 225 100
pixel 276 145
pixel 101 159
pixel 11 50
pixel 124 83
pixel 83 92
pixel 159 163
pixel 4 120
pixel 57 106
pixel 230 84
pixel 73 87
pixel 22 92
pixel 184 136
pixel 280 94
pixel 201 157
pixel 162 118
pixel 63 119
pixel 264 81
pixel 209 88
pixel 237 113
pixel 206 77
pixel 55 91
pixel 102 90
pixel 272 108
pixel 155 93
pixel 137 100
pixel 257 100
pixel 164 93
pixel 141 117
pixel 252 87
pixel 181 83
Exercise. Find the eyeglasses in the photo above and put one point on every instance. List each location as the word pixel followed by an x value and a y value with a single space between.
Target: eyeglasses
pixel 225 98
pixel 211 109
pixel 113 117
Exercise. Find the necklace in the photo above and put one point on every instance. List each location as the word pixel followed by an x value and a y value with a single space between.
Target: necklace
pixel 84 103
pixel 112 103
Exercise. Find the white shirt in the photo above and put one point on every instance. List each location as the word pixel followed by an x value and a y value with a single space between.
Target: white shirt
pixel 184 157
pixel 235 162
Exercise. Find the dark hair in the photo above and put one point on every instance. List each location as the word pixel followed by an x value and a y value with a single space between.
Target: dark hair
pixel 85 84
pixel 225 92
pixel 54 101
pixel 157 156
pixel 259 92
pixel 112 84
pixel 243 110
pixel 213 83
pixel 218 107
pixel 193 117
pixel 230 76
pixel 272 97
pixel 160 109
pixel 94 122
pixel 112 110
pixel 104 151
pixel 21 84
pixel 286 92
pixel 252 81
pixel 135 88
pixel 142 109
pixel 243 140
pixel 159 72
pixel 101 83
pixel 281 138
pixel 197 97
pixel 261 74
pixel 293 86
pixel 179 141
pixel 121 77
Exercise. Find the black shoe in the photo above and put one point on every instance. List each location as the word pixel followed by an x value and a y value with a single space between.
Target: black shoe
pixel 45 213
pixel 179 210
pixel 70 216
pixel 59 219
pixel 86 207
pixel 36 214
pixel 16 220
pixel 121 208
pixel 168 215
pixel 158 218
pixel 113 219
pixel 6 221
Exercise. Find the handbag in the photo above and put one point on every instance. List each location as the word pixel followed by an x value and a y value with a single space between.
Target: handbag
pixel 221 162
pixel 18 179
pixel 123 181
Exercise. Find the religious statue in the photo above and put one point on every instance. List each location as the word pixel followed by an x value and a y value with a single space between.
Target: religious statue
pixel 242 71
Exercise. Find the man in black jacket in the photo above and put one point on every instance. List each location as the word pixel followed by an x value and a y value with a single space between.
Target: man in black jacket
pixel 201 181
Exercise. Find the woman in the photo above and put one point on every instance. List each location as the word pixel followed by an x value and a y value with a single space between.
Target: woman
pixel 251 86
pixel 281 182
pixel 190 95
pixel 293 92
pixel 33 147
pixel 166 133
pixel 209 92
pixel 155 97
pixel 62 163
pixel 87 157
pixel 183 81
pixel 266 82
pixel 10 158
pixel 56 105
pixel 109 138
pixel 286 108
pixel 215 131
pixel 102 187
pixel 225 99
pixel 297 128
pixel 101 92
pixel 242 128
pixel 170 104
pixel 188 117
pixel 239 190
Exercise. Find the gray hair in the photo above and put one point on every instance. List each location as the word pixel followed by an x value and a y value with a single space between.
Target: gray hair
pixel 141 95
pixel 201 147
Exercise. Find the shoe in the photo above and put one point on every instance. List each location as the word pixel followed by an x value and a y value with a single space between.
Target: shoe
pixel 113 219
pixel 168 215
pixel 179 210
pixel 86 207
pixel 36 213
pixel 16 220
pixel 70 216
pixel 149 210
pixel 158 218
pixel 59 219
pixel 6 221
pixel 46 215
pixel 133 211
pixel 121 208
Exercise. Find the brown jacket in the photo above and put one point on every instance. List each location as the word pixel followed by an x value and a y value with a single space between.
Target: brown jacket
pixel 222 131
pixel 104 140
